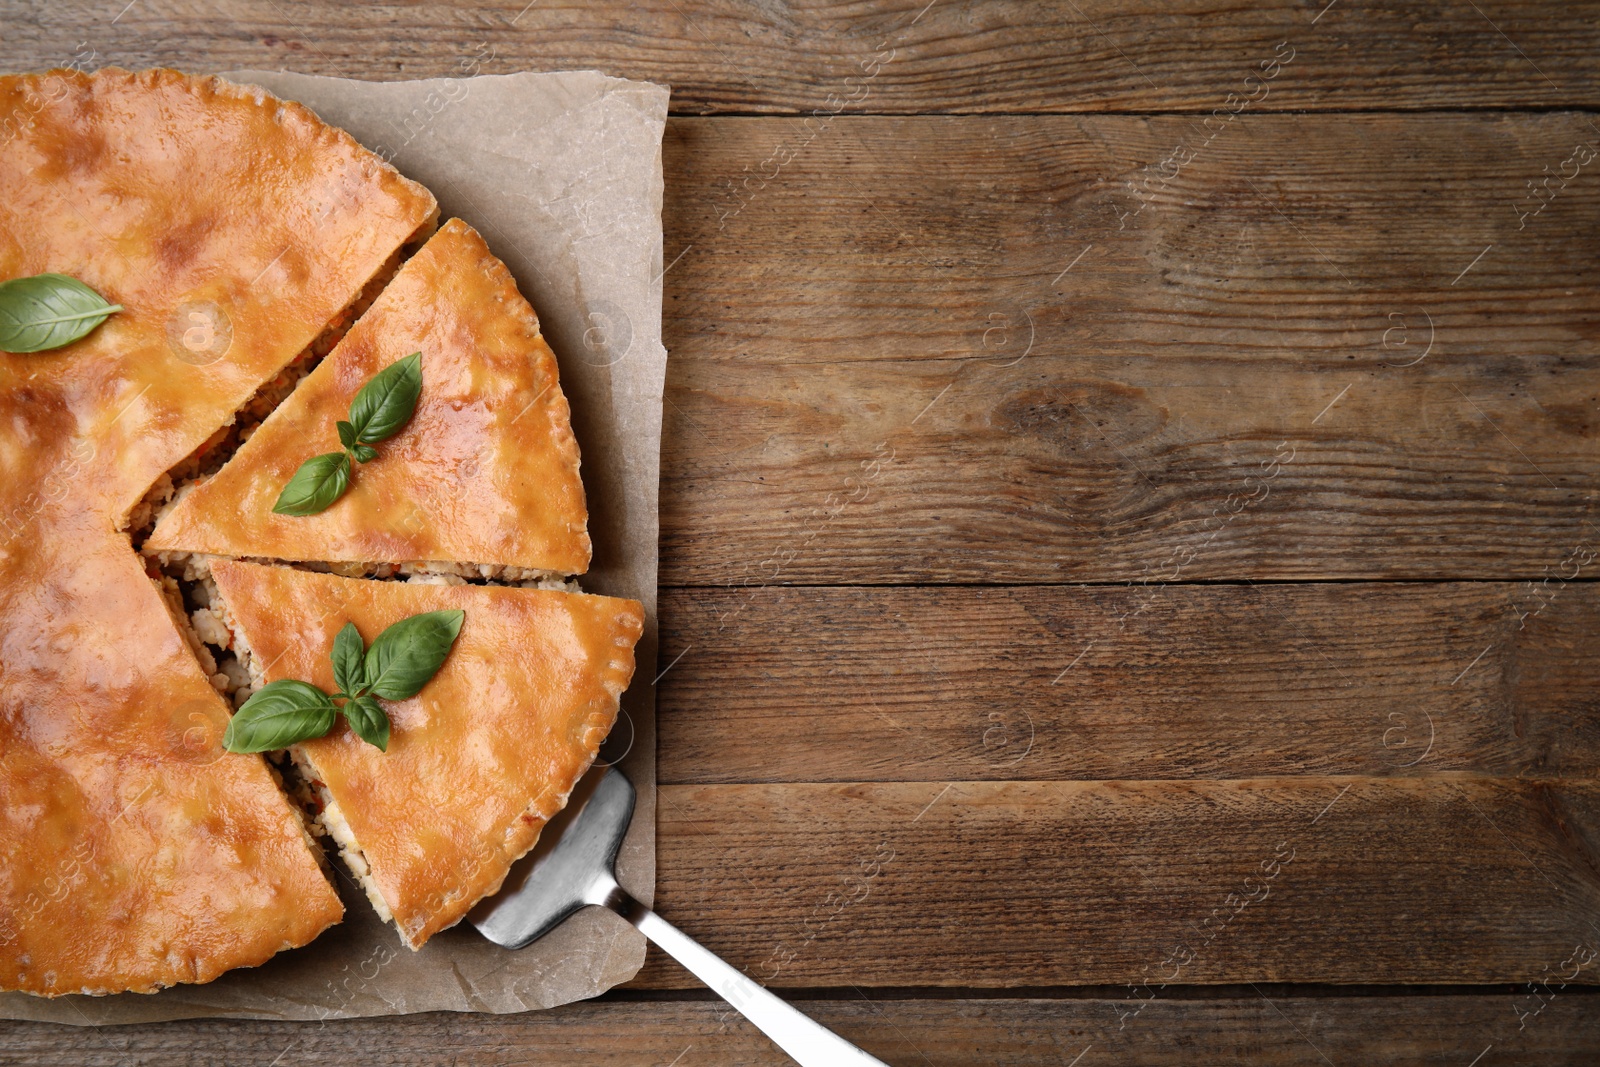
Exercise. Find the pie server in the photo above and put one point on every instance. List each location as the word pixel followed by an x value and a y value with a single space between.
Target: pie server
pixel 578 871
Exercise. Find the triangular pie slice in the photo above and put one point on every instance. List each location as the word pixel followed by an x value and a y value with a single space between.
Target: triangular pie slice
pixel 138 854
pixel 479 760
pixel 485 472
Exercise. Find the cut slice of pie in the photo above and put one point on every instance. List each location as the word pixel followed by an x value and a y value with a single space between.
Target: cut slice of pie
pixel 234 228
pixel 484 473
pixel 478 760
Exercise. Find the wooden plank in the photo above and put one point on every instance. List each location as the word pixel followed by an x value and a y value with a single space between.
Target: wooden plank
pixel 1151 884
pixel 1273 1029
pixel 1276 237
pixel 1063 469
pixel 888 335
pixel 904 55
pixel 1095 682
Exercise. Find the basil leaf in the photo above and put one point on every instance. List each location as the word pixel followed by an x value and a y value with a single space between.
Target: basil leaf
pixel 385 403
pixel 315 486
pixel 47 311
pixel 349 661
pixel 279 714
pixel 364 453
pixel 347 434
pixel 409 653
pixel 366 717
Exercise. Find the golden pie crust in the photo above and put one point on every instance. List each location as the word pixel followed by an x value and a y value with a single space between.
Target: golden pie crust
pixel 177 196
pixel 482 757
pixel 485 472
pixel 137 853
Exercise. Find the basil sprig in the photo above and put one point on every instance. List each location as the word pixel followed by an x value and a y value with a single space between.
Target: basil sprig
pixel 407 654
pixel 47 311
pixel 279 714
pixel 400 662
pixel 317 484
pixel 377 413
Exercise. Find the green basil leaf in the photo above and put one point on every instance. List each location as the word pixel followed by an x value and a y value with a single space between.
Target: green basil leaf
pixel 366 717
pixel 364 453
pixel 349 661
pixel 410 652
pixel 315 486
pixel 385 403
pixel 279 714
pixel 347 434
pixel 47 311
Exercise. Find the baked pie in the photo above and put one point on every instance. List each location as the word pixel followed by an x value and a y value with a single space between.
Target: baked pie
pixel 246 240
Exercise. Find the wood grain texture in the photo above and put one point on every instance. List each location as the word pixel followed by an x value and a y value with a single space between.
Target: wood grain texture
pixel 1270 1029
pixel 904 55
pixel 1390 880
pixel 1062 469
pixel 941 326
pixel 1085 682
pixel 1271 238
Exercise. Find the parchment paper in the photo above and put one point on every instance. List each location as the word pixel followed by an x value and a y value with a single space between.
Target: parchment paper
pixel 561 173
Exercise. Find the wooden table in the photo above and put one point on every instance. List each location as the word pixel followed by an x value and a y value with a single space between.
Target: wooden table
pixel 1129 521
